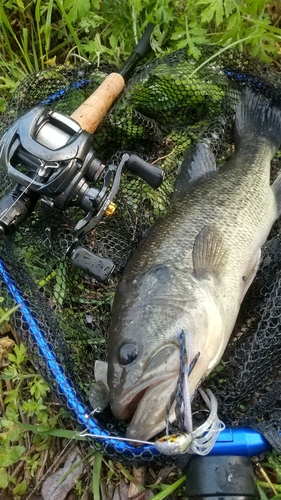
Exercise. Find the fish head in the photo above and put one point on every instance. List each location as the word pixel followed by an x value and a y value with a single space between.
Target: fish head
pixel 146 354
pixel 144 358
pixel 144 347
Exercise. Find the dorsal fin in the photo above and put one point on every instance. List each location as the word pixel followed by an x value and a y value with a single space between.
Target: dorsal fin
pixel 199 162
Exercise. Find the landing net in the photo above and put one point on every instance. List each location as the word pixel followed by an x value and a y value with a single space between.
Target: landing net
pixel 168 105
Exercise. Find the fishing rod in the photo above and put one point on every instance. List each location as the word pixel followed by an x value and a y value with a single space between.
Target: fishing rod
pixel 50 157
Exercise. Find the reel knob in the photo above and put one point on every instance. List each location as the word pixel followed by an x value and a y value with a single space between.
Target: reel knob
pixel 96 266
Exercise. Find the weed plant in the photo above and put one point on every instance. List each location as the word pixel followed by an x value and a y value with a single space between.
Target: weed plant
pixel 39 33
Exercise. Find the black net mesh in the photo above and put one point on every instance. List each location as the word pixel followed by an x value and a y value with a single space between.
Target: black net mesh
pixel 168 105
pixel 248 381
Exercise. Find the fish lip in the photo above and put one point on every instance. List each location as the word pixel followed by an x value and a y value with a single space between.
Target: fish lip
pixel 125 411
pixel 125 406
pixel 149 417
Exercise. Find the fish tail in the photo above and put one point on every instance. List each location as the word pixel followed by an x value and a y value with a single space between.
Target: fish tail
pixel 258 117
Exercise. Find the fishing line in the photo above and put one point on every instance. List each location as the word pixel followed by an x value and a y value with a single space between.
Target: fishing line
pixel 17 199
pixel 118 438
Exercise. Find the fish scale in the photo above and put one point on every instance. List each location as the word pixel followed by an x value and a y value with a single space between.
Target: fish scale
pixel 192 270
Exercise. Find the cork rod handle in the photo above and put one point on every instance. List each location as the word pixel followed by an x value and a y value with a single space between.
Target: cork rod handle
pixel 91 112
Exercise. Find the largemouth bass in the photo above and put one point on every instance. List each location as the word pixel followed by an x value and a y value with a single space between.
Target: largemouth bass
pixel 192 270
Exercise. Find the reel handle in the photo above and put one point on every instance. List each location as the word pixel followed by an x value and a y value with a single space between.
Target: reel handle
pixel 151 174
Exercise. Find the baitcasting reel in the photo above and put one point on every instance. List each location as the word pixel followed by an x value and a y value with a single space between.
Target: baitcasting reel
pixel 50 157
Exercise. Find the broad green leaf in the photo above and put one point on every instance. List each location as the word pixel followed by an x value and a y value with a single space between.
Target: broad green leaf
pixel 20 489
pixel 38 388
pixel 214 9
pixel 218 9
pixel 10 456
pixel 77 9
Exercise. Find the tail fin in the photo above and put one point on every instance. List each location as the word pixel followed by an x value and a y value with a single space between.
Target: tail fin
pixel 258 117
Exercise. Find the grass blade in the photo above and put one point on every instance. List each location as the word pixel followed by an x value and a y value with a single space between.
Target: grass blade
pixel 70 27
pixel 6 315
pixel 169 489
pixel 96 476
pixel 38 33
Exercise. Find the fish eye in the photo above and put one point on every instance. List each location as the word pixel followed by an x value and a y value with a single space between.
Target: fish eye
pixel 128 353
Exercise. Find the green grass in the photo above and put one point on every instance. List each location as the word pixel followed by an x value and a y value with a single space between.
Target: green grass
pixel 32 425
pixel 24 399
pixel 39 33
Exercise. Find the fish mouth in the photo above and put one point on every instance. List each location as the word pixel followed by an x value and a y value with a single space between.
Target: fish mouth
pixel 157 383
pixel 149 417
pixel 126 412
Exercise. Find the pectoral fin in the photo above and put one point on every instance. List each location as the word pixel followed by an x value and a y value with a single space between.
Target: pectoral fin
pixel 99 393
pixel 210 254
pixel 101 368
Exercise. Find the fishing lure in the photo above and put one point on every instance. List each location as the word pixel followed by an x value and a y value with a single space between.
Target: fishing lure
pixel 202 439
